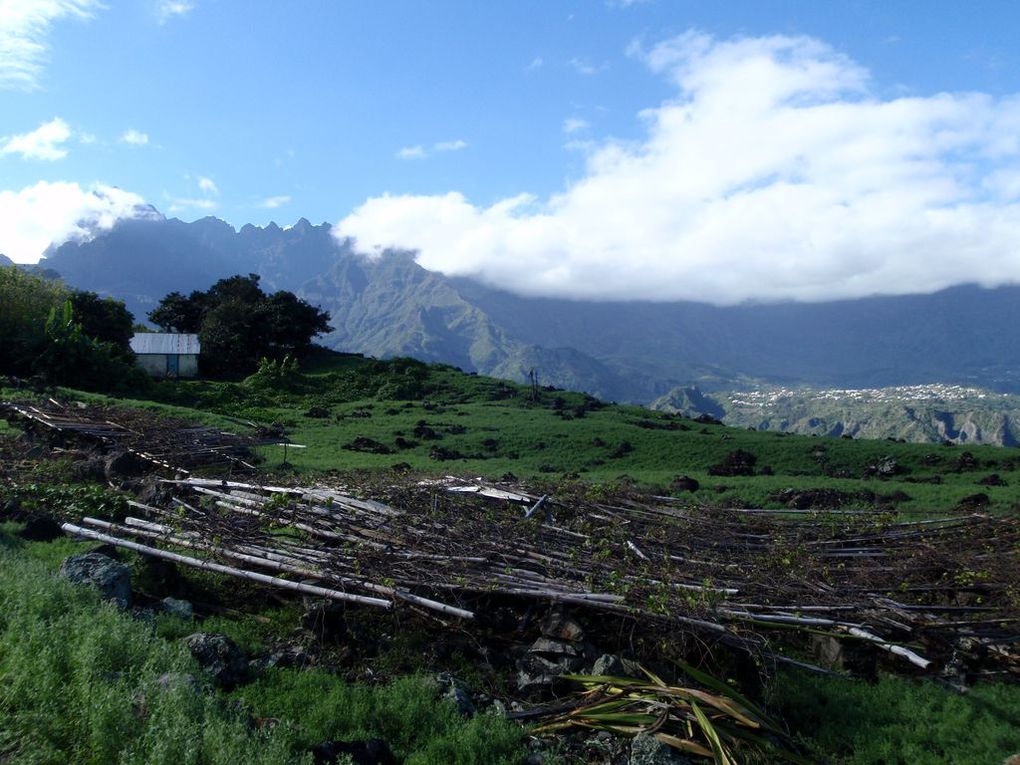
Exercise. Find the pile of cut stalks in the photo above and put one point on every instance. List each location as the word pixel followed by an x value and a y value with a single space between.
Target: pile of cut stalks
pixel 929 593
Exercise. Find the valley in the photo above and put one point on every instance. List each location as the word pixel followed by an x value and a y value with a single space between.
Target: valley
pixel 620 351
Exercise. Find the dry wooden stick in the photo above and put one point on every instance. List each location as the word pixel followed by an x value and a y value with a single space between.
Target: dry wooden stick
pixel 272 581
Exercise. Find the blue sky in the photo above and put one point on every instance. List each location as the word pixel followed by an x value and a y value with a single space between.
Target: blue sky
pixel 259 111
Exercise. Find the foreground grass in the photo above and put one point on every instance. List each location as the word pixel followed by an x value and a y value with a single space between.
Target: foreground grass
pixel 901 722
pixel 403 714
pixel 80 682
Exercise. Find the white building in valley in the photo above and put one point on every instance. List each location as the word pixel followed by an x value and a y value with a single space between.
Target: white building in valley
pixel 163 354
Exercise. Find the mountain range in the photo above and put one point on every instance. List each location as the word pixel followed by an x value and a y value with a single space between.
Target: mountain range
pixel 933 413
pixel 626 350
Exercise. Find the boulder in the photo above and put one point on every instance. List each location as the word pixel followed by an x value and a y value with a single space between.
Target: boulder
pixel 170 680
pixel 684 483
pixel 456 691
pixel 110 577
pixel 559 626
pixel 738 462
pixel 646 749
pixel 372 751
pixel 529 682
pixel 41 528
pixel 288 657
pixel 560 648
pixel 886 467
pixel 220 657
pixel 608 665
pixel 125 465
pixel 179 608
pixel 367 445
pixel 545 661
pixel 326 620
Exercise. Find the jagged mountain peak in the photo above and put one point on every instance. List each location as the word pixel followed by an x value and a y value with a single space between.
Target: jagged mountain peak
pixel 630 351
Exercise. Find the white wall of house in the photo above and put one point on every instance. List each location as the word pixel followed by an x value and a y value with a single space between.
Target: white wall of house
pixel 161 364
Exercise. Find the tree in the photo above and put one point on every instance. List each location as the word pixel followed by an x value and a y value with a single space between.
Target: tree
pixel 25 303
pixel 104 319
pixel 293 322
pixel 176 313
pixel 239 324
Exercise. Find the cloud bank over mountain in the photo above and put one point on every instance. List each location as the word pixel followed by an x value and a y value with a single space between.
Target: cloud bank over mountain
pixel 32 218
pixel 776 172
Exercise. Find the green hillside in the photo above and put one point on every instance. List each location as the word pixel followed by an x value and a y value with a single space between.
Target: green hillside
pixel 351 413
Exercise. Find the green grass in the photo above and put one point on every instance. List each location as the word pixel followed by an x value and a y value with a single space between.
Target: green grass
pixel 900 722
pixel 555 439
pixel 497 428
pixel 254 633
pixel 402 713
pixel 78 683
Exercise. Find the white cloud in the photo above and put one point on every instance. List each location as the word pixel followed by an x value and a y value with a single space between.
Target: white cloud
pixel 271 203
pixel 455 145
pixel 45 142
pixel 536 63
pixel 207 185
pixel 773 173
pixel 411 152
pixel 134 137
pixel 24 34
pixel 420 152
pixel 585 67
pixel 574 124
pixel 36 216
pixel 180 204
pixel 168 9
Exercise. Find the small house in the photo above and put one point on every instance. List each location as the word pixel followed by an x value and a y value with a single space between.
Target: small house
pixel 163 354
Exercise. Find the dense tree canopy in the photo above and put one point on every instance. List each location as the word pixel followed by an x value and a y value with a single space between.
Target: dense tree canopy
pixel 64 336
pixel 104 319
pixel 239 324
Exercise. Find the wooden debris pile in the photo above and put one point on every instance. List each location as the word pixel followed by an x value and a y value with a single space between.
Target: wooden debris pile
pixel 925 591
pixel 164 442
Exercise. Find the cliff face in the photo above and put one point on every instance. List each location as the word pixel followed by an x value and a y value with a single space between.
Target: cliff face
pixel 625 351
pixel 932 413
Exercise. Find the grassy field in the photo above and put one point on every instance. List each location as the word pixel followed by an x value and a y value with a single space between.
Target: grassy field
pixel 79 682
pixel 894 721
pixel 435 419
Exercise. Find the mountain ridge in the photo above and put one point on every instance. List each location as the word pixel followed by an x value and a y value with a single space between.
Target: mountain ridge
pixel 622 350
pixel 918 413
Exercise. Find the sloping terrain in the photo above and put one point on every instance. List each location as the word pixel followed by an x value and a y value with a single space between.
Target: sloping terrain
pixel 626 351
pixel 921 413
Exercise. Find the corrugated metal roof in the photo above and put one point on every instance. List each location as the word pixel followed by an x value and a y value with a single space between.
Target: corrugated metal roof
pixel 163 342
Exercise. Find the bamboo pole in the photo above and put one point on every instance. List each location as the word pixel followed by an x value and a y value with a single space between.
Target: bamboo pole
pixel 272 581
